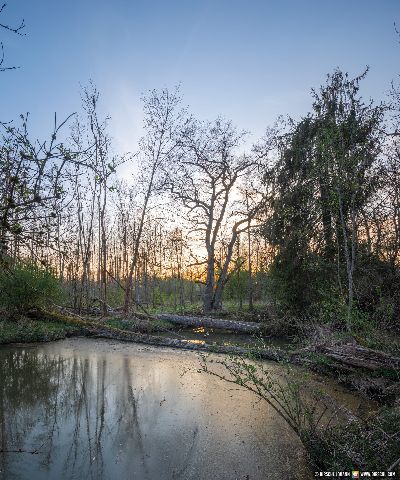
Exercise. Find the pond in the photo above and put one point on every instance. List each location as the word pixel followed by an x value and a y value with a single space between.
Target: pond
pixel 99 409
pixel 211 336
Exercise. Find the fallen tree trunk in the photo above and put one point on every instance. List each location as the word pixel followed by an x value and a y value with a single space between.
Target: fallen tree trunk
pixel 209 322
pixel 122 335
pixel 359 357
pixel 93 329
pixel 348 357
pixel 355 366
pixel 352 356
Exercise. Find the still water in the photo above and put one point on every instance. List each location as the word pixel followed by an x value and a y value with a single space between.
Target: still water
pixel 99 409
pixel 210 336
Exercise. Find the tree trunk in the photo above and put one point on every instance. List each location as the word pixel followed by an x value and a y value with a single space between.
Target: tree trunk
pixel 208 299
pixel 250 282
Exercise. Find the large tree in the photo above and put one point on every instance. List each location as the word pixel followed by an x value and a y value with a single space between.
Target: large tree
pixel 325 175
pixel 206 180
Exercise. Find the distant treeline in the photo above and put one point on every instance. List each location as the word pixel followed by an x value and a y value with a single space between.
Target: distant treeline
pixel 307 219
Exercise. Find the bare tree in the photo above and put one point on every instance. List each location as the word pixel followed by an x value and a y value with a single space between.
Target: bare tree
pixel 31 183
pixel 206 180
pixel 162 117
pixel 18 30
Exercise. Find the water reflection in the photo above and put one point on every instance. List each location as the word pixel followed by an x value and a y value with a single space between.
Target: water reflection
pixel 202 335
pixel 71 414
pixel 71 410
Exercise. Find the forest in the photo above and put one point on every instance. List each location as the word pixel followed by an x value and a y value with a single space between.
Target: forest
pixel 304 223
pixel 294 236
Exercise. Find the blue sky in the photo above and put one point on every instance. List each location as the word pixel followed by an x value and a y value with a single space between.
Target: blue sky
pixel 247 60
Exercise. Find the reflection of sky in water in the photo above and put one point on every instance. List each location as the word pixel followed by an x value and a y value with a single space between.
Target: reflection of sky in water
pixel 199 330
pixel 202 335
pixel 105 410
pixel 196 342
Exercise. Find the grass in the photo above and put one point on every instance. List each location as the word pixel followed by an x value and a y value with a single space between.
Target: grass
pixel 230 310
pixel 380 339
pixel 27 330
pixel 140 325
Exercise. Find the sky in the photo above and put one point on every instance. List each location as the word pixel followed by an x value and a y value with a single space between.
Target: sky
pixel 249 61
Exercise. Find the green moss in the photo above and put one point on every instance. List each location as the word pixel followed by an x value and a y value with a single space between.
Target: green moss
pixel 389 373
pixel 34 331
pixel 319 359
pixel 135 325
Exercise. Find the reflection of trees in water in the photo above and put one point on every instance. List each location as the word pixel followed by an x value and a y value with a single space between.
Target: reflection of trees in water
pixel 24 381
pixel 80 418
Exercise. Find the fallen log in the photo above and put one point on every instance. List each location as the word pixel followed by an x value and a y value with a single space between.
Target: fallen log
pixel 354 366
pixel 209 322
pixel 359 357
pixel 123 335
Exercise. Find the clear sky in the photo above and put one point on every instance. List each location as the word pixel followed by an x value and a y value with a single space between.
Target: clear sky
pixel 247 60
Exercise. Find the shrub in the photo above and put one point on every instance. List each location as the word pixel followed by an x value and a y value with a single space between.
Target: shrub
pixel 333 437
pixel 27 286
pixel 369 445
pixel 334 311
pixel 299 281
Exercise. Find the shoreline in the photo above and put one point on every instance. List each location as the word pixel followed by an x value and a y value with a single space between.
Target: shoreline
pixel 379 383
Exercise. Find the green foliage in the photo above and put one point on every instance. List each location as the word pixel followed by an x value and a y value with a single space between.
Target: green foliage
pixel 360 321
pixel 323 180
pixel 369 445
pixel 380 339
pixel 237 286
pixel 319 359
pixel 298 281
pixel 334 438
pixel 33 331
pixel 334 311
pixel 27 286
pixel 378 289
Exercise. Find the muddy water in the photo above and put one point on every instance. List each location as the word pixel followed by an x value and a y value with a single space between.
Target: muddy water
pixel 98 409
pixel 202 335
